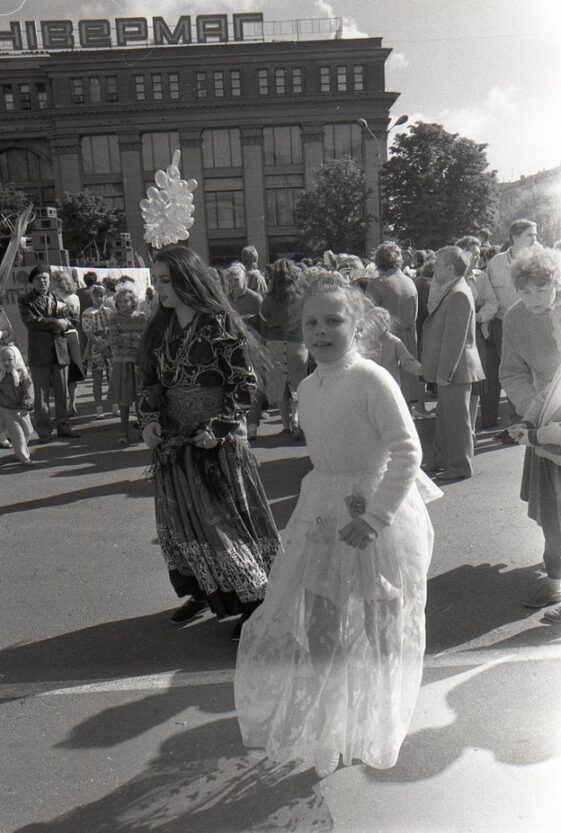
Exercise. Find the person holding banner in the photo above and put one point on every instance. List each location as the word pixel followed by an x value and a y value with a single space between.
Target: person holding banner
pixel 46 320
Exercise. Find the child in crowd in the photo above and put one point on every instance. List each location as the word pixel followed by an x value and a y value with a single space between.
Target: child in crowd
pixel 378 343
pixel 16 401
pixel 95 323
pixel 331 662
pixel 126 327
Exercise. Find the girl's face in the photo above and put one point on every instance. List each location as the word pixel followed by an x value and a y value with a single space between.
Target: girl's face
pixel 98 298
pixel 328 326
pixel 8 360
pixel 164 287
pixel 538 298
pixel 125 303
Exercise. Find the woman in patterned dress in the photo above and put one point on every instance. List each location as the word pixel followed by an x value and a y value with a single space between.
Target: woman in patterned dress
pixel 216 531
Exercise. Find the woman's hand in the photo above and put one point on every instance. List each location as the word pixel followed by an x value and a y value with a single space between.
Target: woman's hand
pixel 204 439
pixel 519 429
pixel 358 534
pixel 152 434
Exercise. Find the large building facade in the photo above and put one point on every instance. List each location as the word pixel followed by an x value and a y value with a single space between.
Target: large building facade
pixel 253 121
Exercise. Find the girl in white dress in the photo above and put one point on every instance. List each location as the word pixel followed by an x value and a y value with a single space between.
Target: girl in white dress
pixel 331 662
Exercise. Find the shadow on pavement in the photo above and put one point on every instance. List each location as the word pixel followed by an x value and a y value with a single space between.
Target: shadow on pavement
pixel 469 601
pixel 204 780
pixel 124 648
pixel 131 488
pixel 503 708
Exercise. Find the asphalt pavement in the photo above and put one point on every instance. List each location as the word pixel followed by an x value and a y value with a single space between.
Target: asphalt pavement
pixel 113 721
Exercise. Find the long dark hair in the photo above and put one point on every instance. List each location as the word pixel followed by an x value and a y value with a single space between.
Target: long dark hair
pixel 197 287
pixel 285 280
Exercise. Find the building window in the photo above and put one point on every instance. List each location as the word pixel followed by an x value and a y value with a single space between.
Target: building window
pixel 358 78
pixel 158 149
pixel 8 94
pixel 281 206
pixel 225 209
pixel 263 76
pixel 325 79
pixel 24 97
pixel 173 78
pixel 201 85
pixel 235 82
pixel 112 94
pixel 110 192
pixel 42 96
pixel 100 154
pixel 30 172
pixel 282 145
pixel 77 90
pixel 296 80
pixel 218 78
pixel 280 86
pixel 95 90
pixel 139 88
pixel 157 89
pixel 222 148
pixel 341 79
pixel 342 140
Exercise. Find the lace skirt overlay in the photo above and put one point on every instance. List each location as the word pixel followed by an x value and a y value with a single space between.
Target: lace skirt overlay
pixel 333 658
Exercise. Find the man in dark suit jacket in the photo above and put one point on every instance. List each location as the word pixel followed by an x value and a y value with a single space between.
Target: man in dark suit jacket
pixel 450 358
pixel 46 320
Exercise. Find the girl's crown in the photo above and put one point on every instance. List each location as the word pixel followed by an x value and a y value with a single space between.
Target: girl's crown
pixel 168 211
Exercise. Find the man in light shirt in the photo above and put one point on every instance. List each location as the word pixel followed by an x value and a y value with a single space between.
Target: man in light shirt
pixel 522 234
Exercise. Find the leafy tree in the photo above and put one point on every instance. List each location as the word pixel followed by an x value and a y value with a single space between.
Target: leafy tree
pixel 86 218
pixel 12 202
pixel 332 215
pixel 436 187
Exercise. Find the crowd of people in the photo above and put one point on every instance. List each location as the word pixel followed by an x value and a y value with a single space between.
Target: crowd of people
pixel 351 352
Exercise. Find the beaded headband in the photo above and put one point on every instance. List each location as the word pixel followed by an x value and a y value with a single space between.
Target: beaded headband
pixel 168 210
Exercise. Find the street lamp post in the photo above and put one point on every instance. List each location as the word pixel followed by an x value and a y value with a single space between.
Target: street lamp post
pixel 365 126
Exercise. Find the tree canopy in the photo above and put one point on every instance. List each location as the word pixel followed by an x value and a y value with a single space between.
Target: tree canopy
pixel 86 218
pixel 543 206
pixel 12 202
pixel 437 187
pixel 332 214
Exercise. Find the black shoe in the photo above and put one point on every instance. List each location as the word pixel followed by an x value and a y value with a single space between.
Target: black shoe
pixel 66 431
pixel 237 631
pixel 188 611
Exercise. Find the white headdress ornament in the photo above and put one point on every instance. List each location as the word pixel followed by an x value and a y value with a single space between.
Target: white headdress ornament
pixel 168 211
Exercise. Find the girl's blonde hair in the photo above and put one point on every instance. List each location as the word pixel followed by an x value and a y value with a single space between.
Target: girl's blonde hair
pixel 20 364
pixel 120 293
pixel 320 282
pixel 378 321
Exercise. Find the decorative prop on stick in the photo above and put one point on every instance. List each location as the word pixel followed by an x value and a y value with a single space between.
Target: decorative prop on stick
pixel 17 228
pixel 168 210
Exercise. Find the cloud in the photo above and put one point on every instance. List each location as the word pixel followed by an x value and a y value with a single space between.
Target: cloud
pixel 397 60
pixel 350 27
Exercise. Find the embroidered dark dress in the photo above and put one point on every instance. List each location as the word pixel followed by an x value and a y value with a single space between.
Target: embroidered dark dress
pixel 216 530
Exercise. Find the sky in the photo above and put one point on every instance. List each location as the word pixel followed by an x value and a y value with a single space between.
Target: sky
pixel 487 69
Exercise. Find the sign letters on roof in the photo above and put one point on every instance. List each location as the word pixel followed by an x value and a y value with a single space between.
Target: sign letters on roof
pixel 101 33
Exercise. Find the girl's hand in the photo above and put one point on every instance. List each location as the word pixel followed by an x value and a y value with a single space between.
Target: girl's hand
pixel 517 430
pixel 152 434
pixel 204 439
pixel 522 437
pixel 358 534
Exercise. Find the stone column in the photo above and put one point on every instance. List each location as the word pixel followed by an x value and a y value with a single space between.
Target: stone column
pixel 254 188
pixel 312 141
pixel 130 146
pixel 65 153
pixel 374 158
pixel 191 167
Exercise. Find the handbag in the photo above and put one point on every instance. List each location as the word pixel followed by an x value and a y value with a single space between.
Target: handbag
pixel 61 350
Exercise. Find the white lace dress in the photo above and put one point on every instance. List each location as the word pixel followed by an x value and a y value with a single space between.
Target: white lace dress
pixel 333 657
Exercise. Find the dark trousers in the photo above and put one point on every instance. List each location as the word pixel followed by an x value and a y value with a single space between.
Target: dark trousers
pixel 492 390
pixel 453 438
pixel 45 377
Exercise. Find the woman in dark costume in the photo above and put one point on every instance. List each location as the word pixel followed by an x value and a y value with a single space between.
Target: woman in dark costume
pixel 216 531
